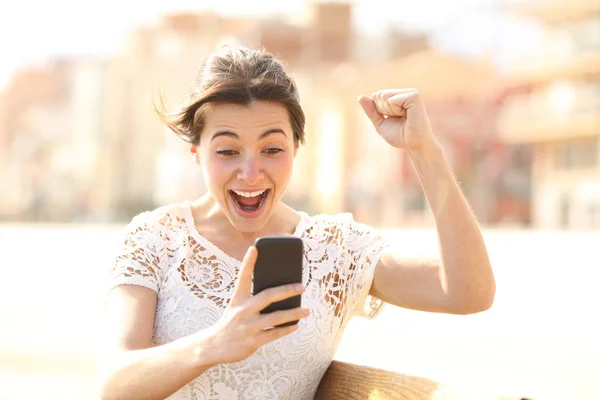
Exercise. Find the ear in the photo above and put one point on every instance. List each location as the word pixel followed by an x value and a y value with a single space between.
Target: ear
pixel 296 147
pixel 194 151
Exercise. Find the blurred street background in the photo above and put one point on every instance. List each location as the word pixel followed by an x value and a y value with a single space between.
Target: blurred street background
pixel 512 89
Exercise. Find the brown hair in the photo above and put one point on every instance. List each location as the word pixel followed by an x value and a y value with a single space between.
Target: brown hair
pixel 238 76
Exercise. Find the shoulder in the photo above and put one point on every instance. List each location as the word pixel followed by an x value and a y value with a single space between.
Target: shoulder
pixel 342 225
pixel 343 230
pixel 156 227
pixel 330 219
pixel 167 217
pixel 342 221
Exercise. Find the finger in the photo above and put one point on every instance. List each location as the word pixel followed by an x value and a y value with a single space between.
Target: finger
pixel 281 317
pixel 395 108
pixel 411 102
pixel 405 100
pixel 385 94
pixel 381 104
pixel 369 107
pixel 272 295
pixel 269 335
pixel 243 285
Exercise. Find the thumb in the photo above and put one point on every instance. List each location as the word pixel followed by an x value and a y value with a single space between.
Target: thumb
pixel 368 106
pixel 243 285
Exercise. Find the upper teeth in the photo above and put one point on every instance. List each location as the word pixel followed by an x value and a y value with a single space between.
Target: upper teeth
pixel 249 194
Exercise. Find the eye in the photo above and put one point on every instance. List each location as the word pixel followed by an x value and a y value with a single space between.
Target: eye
pixel 227 153
pixel 273 151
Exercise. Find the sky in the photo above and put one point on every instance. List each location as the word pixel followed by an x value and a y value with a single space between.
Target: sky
pixel 34 30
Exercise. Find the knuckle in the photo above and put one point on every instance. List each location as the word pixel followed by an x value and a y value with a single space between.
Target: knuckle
pixel 237 314
pixel 288 290
pixel 262 297
pixel 280 291
pixel 275 293
pixel 244 329
pixel 280 317
pixel 248 334
pixel 272 319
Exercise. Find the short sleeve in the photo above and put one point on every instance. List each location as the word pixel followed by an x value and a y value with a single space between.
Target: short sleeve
pixel 137 260
pixel 366 246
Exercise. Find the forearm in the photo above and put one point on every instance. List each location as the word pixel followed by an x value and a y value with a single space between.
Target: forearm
pixel 154 373
pixel 466 271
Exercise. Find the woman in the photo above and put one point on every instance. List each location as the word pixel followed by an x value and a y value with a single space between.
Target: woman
pixel 183 322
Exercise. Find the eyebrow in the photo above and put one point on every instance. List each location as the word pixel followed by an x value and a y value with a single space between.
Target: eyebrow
pixel 234 135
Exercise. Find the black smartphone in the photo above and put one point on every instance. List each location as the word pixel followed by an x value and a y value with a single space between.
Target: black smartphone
pixel 279 262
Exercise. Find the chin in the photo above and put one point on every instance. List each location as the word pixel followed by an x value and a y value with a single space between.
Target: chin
pixel 245 225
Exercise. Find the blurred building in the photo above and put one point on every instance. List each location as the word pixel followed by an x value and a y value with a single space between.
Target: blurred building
pixel 365 175
pixel 133 176
pixel 119 159
pixel 146 165
pixel 49 139
pixel 143 164
pixel 553 112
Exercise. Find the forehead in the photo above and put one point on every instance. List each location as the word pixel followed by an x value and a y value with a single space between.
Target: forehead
pixel 256 115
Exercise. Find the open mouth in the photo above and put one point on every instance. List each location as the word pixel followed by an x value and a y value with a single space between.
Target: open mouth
pixel 249 202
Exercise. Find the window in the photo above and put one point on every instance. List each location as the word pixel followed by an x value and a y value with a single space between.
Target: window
pixel 565 208
pixel 594 215
pixel 577 154
pixel 584 33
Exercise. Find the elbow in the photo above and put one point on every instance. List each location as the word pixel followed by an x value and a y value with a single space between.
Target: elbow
pixel 104 395
pixel 477 303
pixel 111 388
pixel 474 308
pixel 479 306
pixel 107 386
pixel 105 390
pixel 481 297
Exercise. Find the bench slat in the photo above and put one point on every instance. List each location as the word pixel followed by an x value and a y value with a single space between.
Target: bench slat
pixel 352 382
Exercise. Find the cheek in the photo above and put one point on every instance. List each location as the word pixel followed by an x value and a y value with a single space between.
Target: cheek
pixel 281 168
pixel 216 172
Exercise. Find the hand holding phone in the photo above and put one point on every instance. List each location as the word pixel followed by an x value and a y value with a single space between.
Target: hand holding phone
pixel 243 329
pixel 279 262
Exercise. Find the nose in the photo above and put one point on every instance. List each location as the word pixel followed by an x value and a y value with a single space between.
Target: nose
pixel 250 171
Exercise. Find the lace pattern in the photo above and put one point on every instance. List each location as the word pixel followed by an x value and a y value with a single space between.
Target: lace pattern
pixel 194 281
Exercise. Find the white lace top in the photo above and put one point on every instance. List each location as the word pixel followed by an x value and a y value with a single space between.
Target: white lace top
pixel 194 280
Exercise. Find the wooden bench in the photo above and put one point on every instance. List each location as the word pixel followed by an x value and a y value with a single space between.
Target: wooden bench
pixel 346 381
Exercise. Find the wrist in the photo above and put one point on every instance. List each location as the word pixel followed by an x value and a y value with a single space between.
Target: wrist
pixel 198 351
pixel 430 151
pixel 430 163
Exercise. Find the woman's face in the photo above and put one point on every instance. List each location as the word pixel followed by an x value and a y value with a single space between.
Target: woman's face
pixel 247 155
